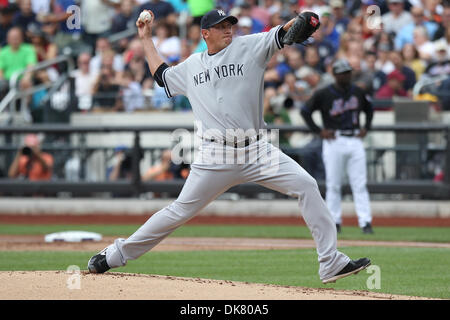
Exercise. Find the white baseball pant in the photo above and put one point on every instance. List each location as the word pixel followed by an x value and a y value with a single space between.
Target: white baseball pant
pixel 207 181
pixel 340 155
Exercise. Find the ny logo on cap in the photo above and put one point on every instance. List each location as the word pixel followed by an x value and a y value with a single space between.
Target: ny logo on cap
pixel 221 12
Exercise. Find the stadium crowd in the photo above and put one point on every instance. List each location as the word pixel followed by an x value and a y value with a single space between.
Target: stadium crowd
pixel 403 41
pixel 390 44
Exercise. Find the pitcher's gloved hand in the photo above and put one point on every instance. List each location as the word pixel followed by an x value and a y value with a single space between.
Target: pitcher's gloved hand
pixel 303 27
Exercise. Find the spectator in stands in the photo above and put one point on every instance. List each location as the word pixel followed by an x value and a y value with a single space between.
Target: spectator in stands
pixel 260 13
pixel 378 76
pixel 84 81
pixel 355 30
pixel 198 8
pixel 441 50
pixel 275 20
pixel 325 47
pixel 96 19
pixel 293 61
pixel 41 6
pixel 30 162
pixel 444 98
pixel 106 90
pixel 16 56
pixel 344 40
pixel 383 41
pixel 194 41
pixel 67 33
pixel 312 59
pixel 370 27
pixel 328 28
pixel 422 43
pixel 162 10
pixel 121 167
pixel 160 171
pixel 135 61
pixel 433 9
pixel 393 87
pixel 276 112
pixel 166 42
pixel 405 34
pixel 359 77
pixel 103 46
pixel 274 75
pixel 25 16
pixel 6 18
pixel 45 50
pixel 383 63
pixel 246 11
pixel 440 66
pixel 309 81
pixel 355 48
pixel 35 102
pixel 410 76
pixel 442 43
pixel 166 170
pixel 397 17
pixel 244 27
pixel 412 60
pixel 291 88
pixel 306 5
pixel 124 18
pixel 180 6
pixel 338 15
pixel 132 97
pixel 445 23
pixel 273 6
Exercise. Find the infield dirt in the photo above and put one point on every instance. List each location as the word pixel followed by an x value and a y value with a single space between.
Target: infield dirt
pixel 59 285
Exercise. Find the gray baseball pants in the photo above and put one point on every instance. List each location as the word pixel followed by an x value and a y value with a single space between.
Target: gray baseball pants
pixel 214 172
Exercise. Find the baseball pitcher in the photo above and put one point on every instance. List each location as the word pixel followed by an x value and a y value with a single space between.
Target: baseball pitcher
pixel 224 85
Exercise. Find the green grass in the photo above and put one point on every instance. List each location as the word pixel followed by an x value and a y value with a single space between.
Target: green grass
pixel 406 271
pixel 425 234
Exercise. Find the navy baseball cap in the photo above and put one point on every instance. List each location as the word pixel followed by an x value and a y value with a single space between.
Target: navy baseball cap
pixel 214 17
pixel 341 66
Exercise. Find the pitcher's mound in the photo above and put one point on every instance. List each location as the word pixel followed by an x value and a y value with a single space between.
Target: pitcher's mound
pixel 55 285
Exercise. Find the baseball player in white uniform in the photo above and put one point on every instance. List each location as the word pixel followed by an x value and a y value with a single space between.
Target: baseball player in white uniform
pixel 224 85
pixel 343 151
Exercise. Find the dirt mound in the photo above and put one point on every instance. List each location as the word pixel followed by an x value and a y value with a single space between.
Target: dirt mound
pixel 59 285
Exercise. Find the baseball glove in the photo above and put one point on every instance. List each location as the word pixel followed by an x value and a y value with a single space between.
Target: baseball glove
pixel 303 27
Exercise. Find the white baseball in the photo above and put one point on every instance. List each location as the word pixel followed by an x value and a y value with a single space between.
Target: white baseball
pixel 145 16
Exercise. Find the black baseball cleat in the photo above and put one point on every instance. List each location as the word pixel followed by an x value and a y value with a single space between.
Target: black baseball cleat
pixel 338 228
pixel 367 229
pixel 98 264
pixel 353 267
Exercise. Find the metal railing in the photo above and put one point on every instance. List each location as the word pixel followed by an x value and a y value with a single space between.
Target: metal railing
pixel 427 81
pixel 16 94
pixel 135 186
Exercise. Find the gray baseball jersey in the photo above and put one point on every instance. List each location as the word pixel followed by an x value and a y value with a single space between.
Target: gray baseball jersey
pixel 226 89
